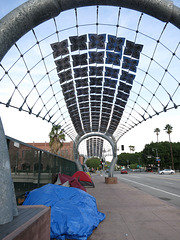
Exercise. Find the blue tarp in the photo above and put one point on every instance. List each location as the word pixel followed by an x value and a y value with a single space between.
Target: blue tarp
pixel 74 212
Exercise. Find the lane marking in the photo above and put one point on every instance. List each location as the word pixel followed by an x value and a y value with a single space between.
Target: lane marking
pixel 169 183
pixel 159 176
pixel 135 176
pixel 157 189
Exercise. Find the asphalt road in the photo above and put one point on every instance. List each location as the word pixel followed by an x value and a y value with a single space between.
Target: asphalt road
pixel 165 187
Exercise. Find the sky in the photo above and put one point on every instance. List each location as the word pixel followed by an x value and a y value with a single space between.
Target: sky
pixel 16 124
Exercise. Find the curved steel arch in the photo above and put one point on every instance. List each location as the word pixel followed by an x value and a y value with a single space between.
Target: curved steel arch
pixel 109 139
pixel 34 12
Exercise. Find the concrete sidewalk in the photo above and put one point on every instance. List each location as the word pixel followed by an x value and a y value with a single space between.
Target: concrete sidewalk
pixel 132 214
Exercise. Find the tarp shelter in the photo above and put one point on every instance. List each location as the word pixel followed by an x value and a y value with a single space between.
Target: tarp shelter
pixel 74 212
pixel 84 179
pixel 73 182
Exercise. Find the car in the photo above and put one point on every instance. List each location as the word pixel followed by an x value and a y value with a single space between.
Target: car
pixel 167 171
pixel 124 171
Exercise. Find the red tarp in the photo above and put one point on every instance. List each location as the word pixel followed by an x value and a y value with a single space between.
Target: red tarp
pixel 73 182
pixel 83 178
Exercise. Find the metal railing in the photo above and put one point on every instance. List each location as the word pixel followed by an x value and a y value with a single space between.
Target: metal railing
pixel 32 167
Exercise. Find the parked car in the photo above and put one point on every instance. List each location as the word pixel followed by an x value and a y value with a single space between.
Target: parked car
pixel 124 171
pixel 167 171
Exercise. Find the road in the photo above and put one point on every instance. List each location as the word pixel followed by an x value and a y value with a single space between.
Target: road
pixel 165 187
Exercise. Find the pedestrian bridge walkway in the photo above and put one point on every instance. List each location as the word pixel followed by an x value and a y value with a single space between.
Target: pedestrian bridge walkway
pixel 132 214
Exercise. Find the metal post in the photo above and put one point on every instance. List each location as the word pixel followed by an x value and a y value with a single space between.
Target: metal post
pixel 76 157
pixel 8 207
pixel 39 172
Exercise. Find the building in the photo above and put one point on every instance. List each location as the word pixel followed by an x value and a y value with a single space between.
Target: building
pixel 66 151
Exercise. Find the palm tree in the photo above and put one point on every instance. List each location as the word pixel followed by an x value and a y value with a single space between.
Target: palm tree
pixel 157 131
pixel 168 128
pixel 57 137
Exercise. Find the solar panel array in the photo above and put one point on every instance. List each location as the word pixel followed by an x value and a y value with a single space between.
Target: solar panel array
pixel 96 74
pixel 94 147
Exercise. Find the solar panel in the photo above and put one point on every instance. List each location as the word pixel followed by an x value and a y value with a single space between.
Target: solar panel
pixel 78 42
pixel 127 77
pixel 70 101
pixel 133 49
pixel 110 83
pixel 82 91
pixel 120 94
pixel 129 63
pixel 107 105
pixel 97 71
pixel 67 87
pixel 117 115
pixel 80 72
pixel 94 128
pixel 106 110
pixel 96 57
pixel 63 63
pixel 83 105
pixel 127 89
pixel 96 98
pixel 97 41
pixel 109 91
pixel 69 95
pixel 79 59
pixel 96 90
pixel 65 76
pixel 115 44
pixel 96 81
pixel 83 98
pixel 124 87
pixel 81 83
pixel 113 58
pixel 108 99
pixel 95 103
pixel 110 72
pixel 60 48
pixel 121 103
pixel 118 109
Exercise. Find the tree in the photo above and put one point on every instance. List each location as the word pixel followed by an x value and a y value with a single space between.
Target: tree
pixel 93 163
pixel 168 128
pixel 125 159
pixel 57 137
pixel 157 131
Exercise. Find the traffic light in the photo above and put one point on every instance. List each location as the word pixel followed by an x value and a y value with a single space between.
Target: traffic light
pixel 122 147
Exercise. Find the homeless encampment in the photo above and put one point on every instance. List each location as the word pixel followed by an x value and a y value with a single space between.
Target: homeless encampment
pixel 84 179
pixel 63 179
pixel 74 212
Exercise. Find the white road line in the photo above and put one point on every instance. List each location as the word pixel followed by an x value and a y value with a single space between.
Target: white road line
pixel 157 189
pixel 136 176
pixel 169 183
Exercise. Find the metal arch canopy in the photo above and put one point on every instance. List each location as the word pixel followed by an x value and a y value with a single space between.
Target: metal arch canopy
pixel 109 139
pixel 34 12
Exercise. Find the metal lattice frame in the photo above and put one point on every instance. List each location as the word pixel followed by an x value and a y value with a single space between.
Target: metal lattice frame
pixel 93 87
